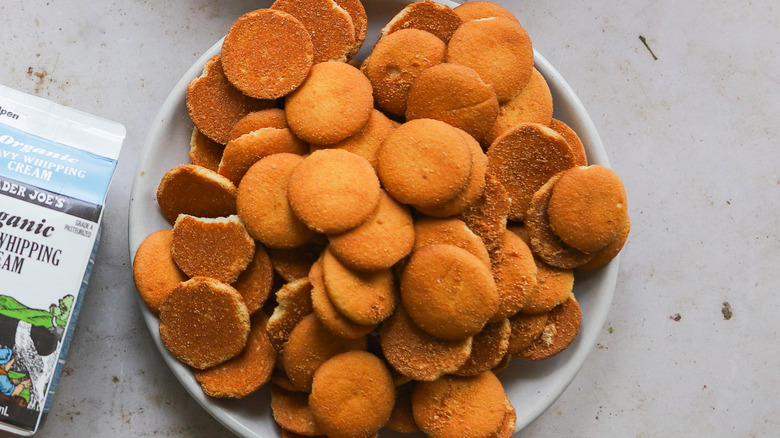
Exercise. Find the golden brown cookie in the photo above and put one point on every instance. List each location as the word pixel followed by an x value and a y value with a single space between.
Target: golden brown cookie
pixel 533 104
pixel 197 191
pixel 310 345
pixel 524 158
pixel 263 206
pixel 291 411
pixel 487 216
pixel 330 26
pixel 514 270
pixel 395 62
pixel 357 12
pixel 453 404
pixel 526 328
pixel 425 15
pixel 295 263
pixel 334 103
pixel 425 162
pixel 604 256
pixel 242 152
pixel 255 283
pixel 488 348
pixel 474 187
pixel 218 248
pixel 448 292
pixel 154 272
pixel 204 322
pixel 363 297
pixel 454 94
pixel 475 10
pixel 366 143
pixel 204 151
pixel 245 373
pixel 452 231
pixel 507 429
pixel 562 326
pixel 391 223
pixel 544 243
pixel 553 286
pixel 571 137
pixel 215 105
pixel 500 51
pixel 267 53
pixel 331 318
pixel 293 303
pixel 402 419
pixel 587 207
pixel 416 354
pixel 267 118
pixel 332 191
pixel 352 395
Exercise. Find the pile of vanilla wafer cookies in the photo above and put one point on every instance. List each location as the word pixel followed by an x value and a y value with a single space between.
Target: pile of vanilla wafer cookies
pixel 376 239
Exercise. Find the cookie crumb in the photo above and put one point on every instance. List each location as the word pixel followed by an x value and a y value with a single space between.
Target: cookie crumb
pixel 675 317
pixel 726 310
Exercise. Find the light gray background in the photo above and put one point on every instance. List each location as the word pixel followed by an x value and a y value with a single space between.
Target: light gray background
pixel 693 134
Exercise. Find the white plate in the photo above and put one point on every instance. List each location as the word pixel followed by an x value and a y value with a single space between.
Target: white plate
pixel 531 386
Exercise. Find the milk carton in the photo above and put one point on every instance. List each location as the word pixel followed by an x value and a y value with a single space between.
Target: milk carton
pixel 55 167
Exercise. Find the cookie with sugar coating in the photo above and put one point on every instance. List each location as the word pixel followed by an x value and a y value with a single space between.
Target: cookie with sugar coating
pixel 475 10
pixel 524 158
pixel 291 411
pixel 367 142
pixel 498 49
pixel 215 105
pixel 451 231
pixel 396 60
pixel 562 326
pixel 255 283
pixel 334 103
pixel 587 207
pixel 267 53
pixel 533 104
pixel 328 314
pixel 448 292
pixel 245 373
pixel 244 151
pixel 391 223
pixel 452 404
pixel 218 248
pixel 332 190
pixel 352 395
pixel 488 348
pixel 154 272
pixel 515 271
pixel 454 94
pixel 293 303
pixel 204 151
pixel 425 15
pixel 544 242
pixel 330 27
pixel 416 354
pixel 425 162
pixel 263 206
pixel 197 191
pixel 204 322
pixel 309 346
pixel 363 297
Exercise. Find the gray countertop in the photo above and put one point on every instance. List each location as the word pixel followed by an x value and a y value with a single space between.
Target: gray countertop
pixel 693 134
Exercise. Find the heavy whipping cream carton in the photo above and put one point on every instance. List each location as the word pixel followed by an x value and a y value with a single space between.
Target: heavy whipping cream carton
pixel 55 167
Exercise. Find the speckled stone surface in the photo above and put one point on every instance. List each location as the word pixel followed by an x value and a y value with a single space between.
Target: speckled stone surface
pixel 693 134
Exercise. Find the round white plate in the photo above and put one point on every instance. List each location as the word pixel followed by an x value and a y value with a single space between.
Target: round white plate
pixel 532 386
